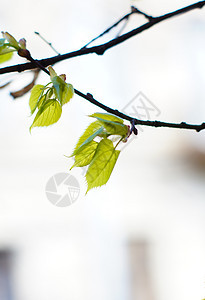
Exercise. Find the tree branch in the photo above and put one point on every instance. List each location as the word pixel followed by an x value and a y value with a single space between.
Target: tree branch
pixel 100 49
pixel 182 125
pixel 42 64
pixel 133 121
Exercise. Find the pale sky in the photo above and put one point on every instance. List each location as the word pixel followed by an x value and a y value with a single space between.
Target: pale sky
pixel 156 192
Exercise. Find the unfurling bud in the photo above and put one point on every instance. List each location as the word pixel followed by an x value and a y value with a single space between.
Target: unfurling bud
pixel 52 72
pixel 12 41
pixel 22 43
pixel 63 77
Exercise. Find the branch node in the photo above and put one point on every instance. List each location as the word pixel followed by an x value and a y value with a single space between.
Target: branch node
pixel 100 50
pixel 201 127
pixel 136 10
pixel 90 96
pixel 183 123
pixel 133 128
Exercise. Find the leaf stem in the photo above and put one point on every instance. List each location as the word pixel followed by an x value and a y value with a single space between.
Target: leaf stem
pixel 118 142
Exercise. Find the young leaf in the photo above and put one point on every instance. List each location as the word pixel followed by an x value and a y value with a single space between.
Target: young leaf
pixel 5 57
pixel 114 128
pixel 90 130
pixel 8 44
pixel 48 114
pixel 64 91
pixel 36 93
pixel 107 117
pixel 68 93
pixel 12 41
pixel 85 156
pixel 112 124
pixel 102 164
pixel 2 42
pixel 52 72
pixel 84 144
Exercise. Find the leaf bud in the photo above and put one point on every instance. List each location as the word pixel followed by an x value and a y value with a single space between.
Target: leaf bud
pixel 24 53
pixel 22 43
pixel 12 41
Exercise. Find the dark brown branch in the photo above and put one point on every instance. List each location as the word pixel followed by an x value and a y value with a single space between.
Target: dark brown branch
pixel 136 10
pixel 100 49
pixel 115 112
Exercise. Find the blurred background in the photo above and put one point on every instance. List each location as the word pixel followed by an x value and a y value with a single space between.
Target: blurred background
pixel 142 235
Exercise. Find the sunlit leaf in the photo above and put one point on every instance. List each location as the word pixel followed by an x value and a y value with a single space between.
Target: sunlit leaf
pixel 114 128
pixel 89 139
pixel 5 50
pixel 101 166
pixel 2 42
pixel 12 41
pixel 68 93
pixel 48 114
pixel 5 57
pixel 64 91
pixel 52 72
pixel 36 94
pixel 92 128
pixel 112 124
pixel 107 117
pixel 85 156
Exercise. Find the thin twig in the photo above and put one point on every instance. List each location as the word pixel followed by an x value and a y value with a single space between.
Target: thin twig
pixel 126 17
pixel 48 43
pixel 122 28
pixel 136 10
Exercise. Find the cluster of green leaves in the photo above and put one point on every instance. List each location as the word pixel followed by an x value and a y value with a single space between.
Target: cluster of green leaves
pixel 48 100
pixel 95 147
pixel 100 155
pixel 8 45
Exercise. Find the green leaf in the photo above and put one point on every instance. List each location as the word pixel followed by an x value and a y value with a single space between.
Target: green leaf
pixel 12 41
pixel 64 91
pixel 102 164
pixel 107 117
pixel 85 156
pixel 48 114
pixel 2 42
pixel 58 85
pixel 114 128
pixel 36 95
pixel 5 57
pixel 68 93
pixel 112 124
pixel 92 128
pixel 89 139
pixel 52 72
